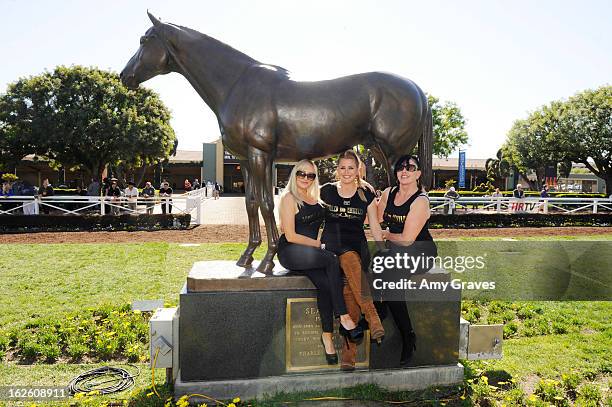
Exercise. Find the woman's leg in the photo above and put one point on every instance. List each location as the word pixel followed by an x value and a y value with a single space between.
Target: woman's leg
pixel 324 303
pixel 399 311
pixel 351 266
pixel 300 258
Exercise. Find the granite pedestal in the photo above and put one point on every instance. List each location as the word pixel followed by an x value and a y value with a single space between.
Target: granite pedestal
pixel 239 332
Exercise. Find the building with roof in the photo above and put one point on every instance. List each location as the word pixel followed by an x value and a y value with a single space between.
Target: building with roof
pixel 214 164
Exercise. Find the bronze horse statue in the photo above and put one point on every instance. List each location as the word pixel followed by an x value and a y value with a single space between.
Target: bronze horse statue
pixel 264 116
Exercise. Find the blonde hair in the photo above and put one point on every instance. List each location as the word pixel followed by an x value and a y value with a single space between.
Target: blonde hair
pixel 313 189
pixel 352 155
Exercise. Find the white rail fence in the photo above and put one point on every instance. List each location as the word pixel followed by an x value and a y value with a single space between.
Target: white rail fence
pixel 188 203
pixel 191 202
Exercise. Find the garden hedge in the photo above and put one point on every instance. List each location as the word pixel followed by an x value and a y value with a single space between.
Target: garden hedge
pixel 505 220
pixel 70 223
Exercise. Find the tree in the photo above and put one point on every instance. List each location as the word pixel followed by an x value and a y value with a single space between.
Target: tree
pixel 532 144
pixel 497 169
pixel 562 132
pixel 84 118
pixel 448 126
pixel 585 132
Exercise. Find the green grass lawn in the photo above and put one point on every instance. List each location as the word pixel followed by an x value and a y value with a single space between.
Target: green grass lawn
pixel 551 339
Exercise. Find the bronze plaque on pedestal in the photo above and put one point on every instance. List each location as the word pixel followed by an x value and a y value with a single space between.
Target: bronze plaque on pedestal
pixel 304 350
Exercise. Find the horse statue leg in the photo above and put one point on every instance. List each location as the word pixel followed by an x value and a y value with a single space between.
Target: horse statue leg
pixel 260 164
pixel 252 208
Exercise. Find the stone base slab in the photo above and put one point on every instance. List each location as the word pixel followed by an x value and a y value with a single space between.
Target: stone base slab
pixel 391 379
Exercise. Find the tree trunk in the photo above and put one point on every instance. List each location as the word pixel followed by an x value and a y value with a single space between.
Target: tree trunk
pixel 142 174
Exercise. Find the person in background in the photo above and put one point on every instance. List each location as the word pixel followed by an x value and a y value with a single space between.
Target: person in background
pixel 217 190
pixel 518 192
pixel 544 192
pixel 7 189
pixel 44 191
pixel 131 193
pixel 452 194
pixel 29 208
pixel 148 193
pixel 495 198
pixel 196 184
pixel 114 192
pixel 187 185
pixel 165 192
pixel 93 189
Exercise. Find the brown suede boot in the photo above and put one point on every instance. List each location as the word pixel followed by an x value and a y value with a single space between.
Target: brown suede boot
pixel 349 349
pixel 350 262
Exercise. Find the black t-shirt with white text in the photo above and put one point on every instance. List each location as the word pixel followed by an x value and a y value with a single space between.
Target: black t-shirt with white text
pixel 344 219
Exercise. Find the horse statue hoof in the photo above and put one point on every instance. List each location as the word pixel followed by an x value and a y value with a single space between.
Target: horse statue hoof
pixel 245 261
pixel 266 268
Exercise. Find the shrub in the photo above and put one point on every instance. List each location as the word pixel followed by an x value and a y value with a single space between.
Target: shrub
pixel 50 352
pixel 65 223
pixel 514 397
pixel 495 220
pixel 550 391
pixel 76 349
pixel 570 382
pixel 589 395
pixel 510 329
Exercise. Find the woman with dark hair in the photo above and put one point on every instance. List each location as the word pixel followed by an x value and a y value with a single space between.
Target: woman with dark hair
pixel 300 250
pixel 405 210
pixel 348 202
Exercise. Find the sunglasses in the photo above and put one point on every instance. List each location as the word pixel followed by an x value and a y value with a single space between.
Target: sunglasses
pixel 310 175
pixel 408 167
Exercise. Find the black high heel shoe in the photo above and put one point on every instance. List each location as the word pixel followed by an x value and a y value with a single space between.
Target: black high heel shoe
pixel 352 335
pixel 408 348
pixel 331 358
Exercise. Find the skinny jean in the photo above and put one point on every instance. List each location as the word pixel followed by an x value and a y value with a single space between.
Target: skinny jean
pixel 323 269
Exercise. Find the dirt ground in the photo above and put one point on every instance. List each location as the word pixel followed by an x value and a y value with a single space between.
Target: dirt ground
pixel 239 233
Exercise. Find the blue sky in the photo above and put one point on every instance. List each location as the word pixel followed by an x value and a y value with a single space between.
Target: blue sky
pixel 497 60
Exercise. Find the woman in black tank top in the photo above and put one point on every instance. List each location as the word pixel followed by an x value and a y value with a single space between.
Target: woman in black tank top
pixel 348 202
pixel 405 210
pixel 300 250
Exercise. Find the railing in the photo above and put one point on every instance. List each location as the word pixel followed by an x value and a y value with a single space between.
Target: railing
pixel 104 205
pixel 513 205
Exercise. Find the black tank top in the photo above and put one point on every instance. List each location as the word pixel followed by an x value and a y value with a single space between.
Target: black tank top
pixel 308 221
pixel 395 216
pixel 344 218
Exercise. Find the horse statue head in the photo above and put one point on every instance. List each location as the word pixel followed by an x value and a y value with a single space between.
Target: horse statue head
pixel 151 59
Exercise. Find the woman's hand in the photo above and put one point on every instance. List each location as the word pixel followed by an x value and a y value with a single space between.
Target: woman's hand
pixel 385 234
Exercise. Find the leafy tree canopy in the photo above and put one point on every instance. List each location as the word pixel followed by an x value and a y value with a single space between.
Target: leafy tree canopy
pixel 577 130
pixel 448 126
pixel 83 118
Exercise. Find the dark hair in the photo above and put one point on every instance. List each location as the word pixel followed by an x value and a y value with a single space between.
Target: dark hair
pixel 406 159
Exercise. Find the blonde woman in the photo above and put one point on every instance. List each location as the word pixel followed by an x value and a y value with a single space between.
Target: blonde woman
pixel 348 203
pixel 301 251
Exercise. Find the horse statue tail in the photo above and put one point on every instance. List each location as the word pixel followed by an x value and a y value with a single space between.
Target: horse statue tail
pixel 426 150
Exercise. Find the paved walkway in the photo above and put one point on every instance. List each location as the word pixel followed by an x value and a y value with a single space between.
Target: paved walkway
pixel 229 211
